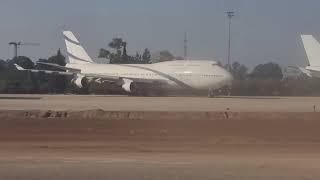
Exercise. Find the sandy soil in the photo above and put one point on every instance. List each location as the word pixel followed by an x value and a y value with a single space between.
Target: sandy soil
pixel 195 104
pixel 268 147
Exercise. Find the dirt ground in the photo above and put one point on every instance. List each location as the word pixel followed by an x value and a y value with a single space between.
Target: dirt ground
pixel 168 104
pixel 246 146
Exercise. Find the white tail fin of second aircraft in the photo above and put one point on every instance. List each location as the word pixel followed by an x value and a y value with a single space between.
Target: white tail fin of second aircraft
pixel 76 53
pixel 312 48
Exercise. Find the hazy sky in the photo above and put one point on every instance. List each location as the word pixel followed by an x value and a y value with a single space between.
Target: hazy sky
pixel 263 30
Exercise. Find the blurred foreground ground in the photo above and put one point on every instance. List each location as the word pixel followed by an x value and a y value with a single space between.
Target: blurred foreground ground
pixel 154 145
pixel 185 104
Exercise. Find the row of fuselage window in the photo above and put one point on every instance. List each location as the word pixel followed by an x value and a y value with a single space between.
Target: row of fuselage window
pixel 174 75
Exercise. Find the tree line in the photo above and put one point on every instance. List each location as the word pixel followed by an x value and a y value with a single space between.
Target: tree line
pixel 14 81
pixel 268 80
pixel 116 53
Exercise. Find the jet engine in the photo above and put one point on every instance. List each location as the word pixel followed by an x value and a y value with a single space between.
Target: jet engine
pixel 80 81
pixel 127 85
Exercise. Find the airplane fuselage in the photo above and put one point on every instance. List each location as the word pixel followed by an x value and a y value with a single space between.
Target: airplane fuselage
pixel 182 74
pixel 313 71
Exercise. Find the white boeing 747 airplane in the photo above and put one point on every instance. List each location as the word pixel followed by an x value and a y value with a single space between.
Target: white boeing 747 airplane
pixel 312 48
pixel 143 79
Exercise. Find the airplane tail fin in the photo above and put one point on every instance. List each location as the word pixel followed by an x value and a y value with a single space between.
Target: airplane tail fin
pixel 312 48
pixel 76 53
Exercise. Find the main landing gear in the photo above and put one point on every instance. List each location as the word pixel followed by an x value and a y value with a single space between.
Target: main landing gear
pixel 225 91
pixel 147 90
pixel 212 93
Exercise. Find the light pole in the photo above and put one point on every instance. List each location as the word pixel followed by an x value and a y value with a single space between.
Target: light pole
pixel 185 54
pixel 230 15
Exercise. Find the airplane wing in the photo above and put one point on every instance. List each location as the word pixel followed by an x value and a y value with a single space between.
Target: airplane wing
pixel 92 77
pixel 43 71
pixel 99 76
pixel 60 67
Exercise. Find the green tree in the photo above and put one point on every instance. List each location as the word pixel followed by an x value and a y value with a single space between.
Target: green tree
pixel 22 61
pixel 58 59
pixel 54 83
pixel 118 54
pixel 239 71
pixel 146 57
pixel 118 57
pixel 267 71
pixel 138 58
pixel 103 53
pixel 116 43
pixel 166 56
pixel 3 65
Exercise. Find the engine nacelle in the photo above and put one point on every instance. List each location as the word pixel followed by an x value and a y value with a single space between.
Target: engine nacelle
pixel 80 81
pixel 127 85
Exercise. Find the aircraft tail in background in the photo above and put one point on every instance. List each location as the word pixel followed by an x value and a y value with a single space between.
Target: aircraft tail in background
pixel 312 48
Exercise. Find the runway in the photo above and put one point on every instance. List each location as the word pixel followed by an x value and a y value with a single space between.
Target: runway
pixel 124 103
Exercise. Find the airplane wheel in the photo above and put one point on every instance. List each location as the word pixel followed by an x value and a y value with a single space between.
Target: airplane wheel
pixel 211 93
pixel 228 91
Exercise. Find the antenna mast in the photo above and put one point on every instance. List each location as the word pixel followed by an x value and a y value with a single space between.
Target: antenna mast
pixel 185 55
pixel 230 15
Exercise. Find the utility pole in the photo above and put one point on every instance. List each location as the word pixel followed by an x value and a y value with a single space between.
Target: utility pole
pixel 16 46
pixel 185 55
pixel 230 15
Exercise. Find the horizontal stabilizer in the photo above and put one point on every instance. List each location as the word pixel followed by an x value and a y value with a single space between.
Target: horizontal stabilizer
pixel 43 71
pixel 305 71
pixel 19 67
